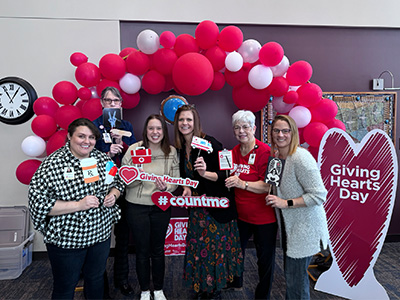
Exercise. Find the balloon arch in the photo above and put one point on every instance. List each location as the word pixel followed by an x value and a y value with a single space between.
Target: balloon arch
pixel 190 66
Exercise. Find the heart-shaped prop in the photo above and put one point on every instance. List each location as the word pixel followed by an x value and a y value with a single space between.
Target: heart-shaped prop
pixel 128 174
pixel 361 180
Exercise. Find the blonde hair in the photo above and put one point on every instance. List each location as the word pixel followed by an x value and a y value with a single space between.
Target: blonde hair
pixel 295 140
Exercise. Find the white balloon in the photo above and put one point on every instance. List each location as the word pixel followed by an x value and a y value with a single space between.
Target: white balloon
pixel 260 77
pixel 301 115
pixel 130 83
pixel 281 68
pixel 33 146
pixel 148 41
pixel 280 106
pixel 249 50
pixel 234 61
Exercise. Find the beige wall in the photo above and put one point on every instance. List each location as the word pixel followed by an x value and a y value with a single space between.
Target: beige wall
pixel 37 38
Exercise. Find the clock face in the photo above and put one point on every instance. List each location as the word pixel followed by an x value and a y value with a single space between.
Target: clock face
pixel 16 100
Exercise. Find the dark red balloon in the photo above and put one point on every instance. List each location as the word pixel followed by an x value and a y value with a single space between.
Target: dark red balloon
pixel 26 170
pixel 65 92
pixel 130 100
pixel 240 77
pixel 324 111
pixel 299 73
pixel 66 114
pixel 137 63
pixel 217 57
pixel 92 109
pixel 84 93
pixel 153 82
pixel 335 123
pixel 56 141
pixel 44 125
pixel 230 38
pixel 167 39
pixel 164 60
pixel 206 34
pixel 271 54
pixel 126 51
pixel 78 58
pixel 105 83
pixel 185 43
pixel 247 97
pixel 45 106
pixel 278 86
pixel 112 66
pixel 310 94
pixel 314 132
pixel 218 82
pixel 87 74
pixel 291 97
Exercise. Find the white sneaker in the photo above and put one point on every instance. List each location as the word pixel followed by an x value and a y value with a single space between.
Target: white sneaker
pixel 159 295
pixel 146 295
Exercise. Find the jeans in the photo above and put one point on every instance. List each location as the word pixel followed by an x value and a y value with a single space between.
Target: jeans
pixel 297 281
pixel 264 237
pixel 149 226
pixel 68 264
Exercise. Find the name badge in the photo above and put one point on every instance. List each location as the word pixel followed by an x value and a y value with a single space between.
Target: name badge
pixel 107 138
pixel 252 158
pixel 69 173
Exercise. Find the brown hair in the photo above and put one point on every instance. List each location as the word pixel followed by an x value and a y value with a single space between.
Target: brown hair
pixel 83 122
pixel 165 143
pixel 295 140
pixel 197 131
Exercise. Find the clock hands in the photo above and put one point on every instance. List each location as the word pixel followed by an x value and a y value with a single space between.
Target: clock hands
pixel 12 99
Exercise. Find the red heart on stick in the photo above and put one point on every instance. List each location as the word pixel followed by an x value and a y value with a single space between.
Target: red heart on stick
pixel 128 174
pixel 361 181
pixel 161 199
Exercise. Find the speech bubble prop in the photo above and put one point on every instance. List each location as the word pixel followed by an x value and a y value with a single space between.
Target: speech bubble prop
pixel 165 199
pixel 361 180
pixel 129 174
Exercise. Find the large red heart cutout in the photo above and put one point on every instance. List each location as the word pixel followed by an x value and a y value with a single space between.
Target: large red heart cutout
pixel 161 199
pixel 361 180
pixel 128 174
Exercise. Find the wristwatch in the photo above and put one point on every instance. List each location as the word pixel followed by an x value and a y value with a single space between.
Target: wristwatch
pixel 246 185
pixel 290 203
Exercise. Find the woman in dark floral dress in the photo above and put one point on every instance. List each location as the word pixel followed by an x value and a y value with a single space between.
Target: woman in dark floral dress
pixel 213 253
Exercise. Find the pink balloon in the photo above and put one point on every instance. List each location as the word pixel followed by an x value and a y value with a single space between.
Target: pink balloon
pixel 78 58
pixel 324 111
pixel 153 82
pixel 230 38
pixel 167 39
pixel 44 126
pixel 281 68
pixel 314 132
pixel 260 77
pixel 112 66
pixel 240 77
pixel 206 34
pixel 45 106
pixel 193 74
pixel 56 141
pixel 66 114
pixel 185 43
pixel 291 97
pixel 301 115
pixel 278 87
pixel 164 60
pixel 130 83
pixel 335 123
pixel 26 170
pixel 299 73
pixel 105 83
pixel 87 74
pixel 130 100
pixel 84 93
pixel 247 97
pixel 271 54
pixel 310 94
pixel 280 106
pixel 218 82
pixel 126 51
pixel 65 92
pixel 217 57
pixel 138 63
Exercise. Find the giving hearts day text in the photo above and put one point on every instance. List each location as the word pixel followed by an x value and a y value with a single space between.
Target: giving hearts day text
pixel 354 189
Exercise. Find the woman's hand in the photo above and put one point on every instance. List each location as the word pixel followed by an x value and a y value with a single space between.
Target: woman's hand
pixel 161 185
pixel 117 138
pixel 234 181
pixel 110 199
pixel 89 202
pixel 115 149
pixel 187 191
pixel 275 201
pixel 200 166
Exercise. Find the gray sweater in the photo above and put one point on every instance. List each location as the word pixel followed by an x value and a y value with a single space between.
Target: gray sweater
pixel 306 227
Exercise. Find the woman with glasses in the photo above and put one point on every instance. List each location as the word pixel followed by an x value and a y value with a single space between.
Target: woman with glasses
pixel 300 197
pixel 213 255
pixel 256 219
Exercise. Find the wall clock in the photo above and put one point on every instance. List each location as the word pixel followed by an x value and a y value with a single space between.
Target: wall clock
pixel 16 100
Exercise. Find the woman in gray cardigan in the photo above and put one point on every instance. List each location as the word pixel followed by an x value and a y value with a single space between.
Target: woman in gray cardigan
pixel 300 197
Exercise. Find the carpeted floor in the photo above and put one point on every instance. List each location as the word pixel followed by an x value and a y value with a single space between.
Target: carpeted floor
pixel 36 281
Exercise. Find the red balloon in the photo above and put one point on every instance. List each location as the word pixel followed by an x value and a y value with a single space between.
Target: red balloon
pixel 130 100
pixel 79 104
pixel 314 132
pixel 335 123
pixel 164 60
pixel 218 82
pixel 167 39
pixel 112 66
pixel 271 54
pixel 45 106
pixel 299 73
pixel 92 109
pixel 153 82
pixel 314 152
pixel 206 34
pixel 26 170
pixel 78 58
pixel 185 43
pixel 65 92
pixel 126 51
pixel 44 126
pixel 137 63
pixel 230 38
pixel 56 141
pixel 193 74
pixel 105 83
pixel 66 114
pixel 84 93
pixel 301 136
pixel 324 111
pixel 169 83
pixel 87 74
pixel 240 77
pixel 291 97
pixel 278 86
pixel 310 94
pixel 217 57
pixel 249 98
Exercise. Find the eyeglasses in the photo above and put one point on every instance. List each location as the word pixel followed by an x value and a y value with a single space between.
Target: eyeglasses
pixel 284 131
pixel 244 127
pixel 109 101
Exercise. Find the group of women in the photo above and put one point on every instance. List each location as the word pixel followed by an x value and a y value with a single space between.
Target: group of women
pixel 76 217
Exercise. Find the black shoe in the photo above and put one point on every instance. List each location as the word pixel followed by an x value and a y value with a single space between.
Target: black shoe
pixel 125 289
pixel 235 286
pixel 216 295
pixel 200 295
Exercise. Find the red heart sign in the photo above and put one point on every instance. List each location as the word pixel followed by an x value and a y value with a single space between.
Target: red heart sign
pixel 361 181
pixel 161 199
pixel 128 174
